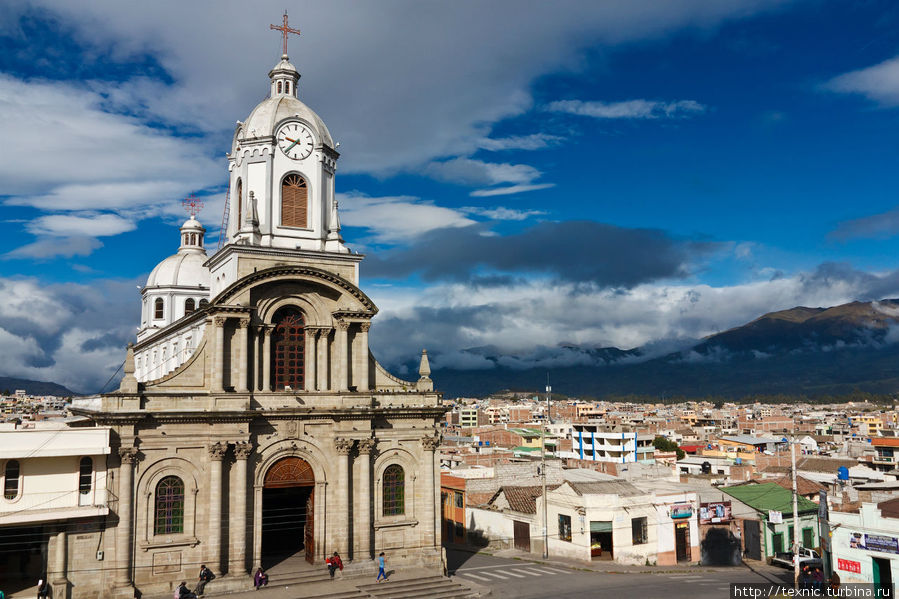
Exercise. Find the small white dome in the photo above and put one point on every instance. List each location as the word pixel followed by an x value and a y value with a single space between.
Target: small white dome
pixel 279 106
pixel 271 111
pixel 184 269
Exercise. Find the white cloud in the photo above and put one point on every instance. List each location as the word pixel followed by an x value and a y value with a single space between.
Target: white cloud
pixel 67 247
pixel 512 315
pixel 397 219
pixel 879 83
pixel 535 141
pixel 71 334
pixel 502 213
pixel 67 149
pixel 630 109
pixel 512 189
pixel 426 94
pixel 467 171
pixel 83 224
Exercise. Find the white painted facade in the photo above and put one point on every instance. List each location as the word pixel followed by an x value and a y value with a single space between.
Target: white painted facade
pixel 849 547
pixel 48 487
pixel 600 507
pixel 592 442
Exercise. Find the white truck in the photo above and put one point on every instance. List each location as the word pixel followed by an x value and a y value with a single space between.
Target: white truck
pixel 807 557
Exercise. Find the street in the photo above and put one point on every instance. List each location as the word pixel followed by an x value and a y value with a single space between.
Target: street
pixel 525 579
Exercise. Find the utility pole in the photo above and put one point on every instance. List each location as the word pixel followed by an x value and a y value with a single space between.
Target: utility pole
pixel 543 472
pixel 795 514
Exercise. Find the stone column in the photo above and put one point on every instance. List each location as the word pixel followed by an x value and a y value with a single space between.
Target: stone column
pixel 257 359
pixel 243 363
pixel 214 555
pixel 237 527
pixel 309 359
pixel 340 368
pixel 58 575
pixel 127 455
pixel 363 510
pixel 362 359
pixel 321 368
pixel 218 362
pixel 341 529
pixel 429 444
pixel 267 360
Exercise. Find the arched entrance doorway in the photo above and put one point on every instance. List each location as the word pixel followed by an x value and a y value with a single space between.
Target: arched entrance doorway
pixel 288 501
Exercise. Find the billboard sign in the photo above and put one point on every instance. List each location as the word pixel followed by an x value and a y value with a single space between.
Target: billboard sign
pixel 714 512
pixel 881 543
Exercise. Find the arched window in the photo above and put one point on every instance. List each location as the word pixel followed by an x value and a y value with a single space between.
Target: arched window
pixel 293 201
pixel 279 87
pixel 11 479
pixel 203 303
pixel 158 308
pixel 239 193
pixel 169 513
pixel 189 306
pixel 288 348
pixel 287 87
pixel 85 475
pixel 394 491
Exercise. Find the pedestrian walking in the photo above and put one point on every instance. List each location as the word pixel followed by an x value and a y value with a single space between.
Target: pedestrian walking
pixel 43 587
pixel 381 565
pixel 334 563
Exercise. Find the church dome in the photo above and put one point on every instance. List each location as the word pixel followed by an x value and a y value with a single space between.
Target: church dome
pixel 282 104
pixel 184 269
pixel 180 270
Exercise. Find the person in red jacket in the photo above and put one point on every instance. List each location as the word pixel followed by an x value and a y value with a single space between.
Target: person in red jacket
pixel 334 563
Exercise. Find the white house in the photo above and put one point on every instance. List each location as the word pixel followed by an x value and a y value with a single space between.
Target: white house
pixel 865 544
pixel 54 492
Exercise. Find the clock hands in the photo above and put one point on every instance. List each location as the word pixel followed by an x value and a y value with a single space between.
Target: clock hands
pixel 295 142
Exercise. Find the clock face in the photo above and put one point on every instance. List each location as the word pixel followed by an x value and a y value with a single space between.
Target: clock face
pixel 295 140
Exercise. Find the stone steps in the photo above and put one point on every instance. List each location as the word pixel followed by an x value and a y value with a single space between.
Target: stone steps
pixel 431 587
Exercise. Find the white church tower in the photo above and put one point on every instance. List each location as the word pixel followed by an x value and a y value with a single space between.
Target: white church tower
pixel 282 166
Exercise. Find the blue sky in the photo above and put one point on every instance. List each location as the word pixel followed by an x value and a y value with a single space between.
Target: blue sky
pixel 522 176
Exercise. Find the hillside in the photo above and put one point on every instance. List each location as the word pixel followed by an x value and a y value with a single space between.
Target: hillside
pixel 34 387
pixel 811 351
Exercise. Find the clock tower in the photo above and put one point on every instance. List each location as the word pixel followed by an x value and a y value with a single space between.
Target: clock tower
pixel 282 205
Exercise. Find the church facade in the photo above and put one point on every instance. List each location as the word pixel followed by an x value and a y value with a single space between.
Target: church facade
pixel 253 421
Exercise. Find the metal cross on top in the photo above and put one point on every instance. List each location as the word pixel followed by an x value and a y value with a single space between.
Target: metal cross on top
pixel 284 29
pixel 192 205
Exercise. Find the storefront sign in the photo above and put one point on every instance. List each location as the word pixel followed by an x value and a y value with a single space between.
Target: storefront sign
pixel 775 517
pixel 714 513
pixel 880 543
pixel 849 566
pixel 681 510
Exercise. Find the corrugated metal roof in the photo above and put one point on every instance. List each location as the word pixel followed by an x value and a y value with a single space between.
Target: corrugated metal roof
pixel 770 496
pixel 605 487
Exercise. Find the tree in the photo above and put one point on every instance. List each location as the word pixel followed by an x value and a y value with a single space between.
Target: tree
pixel 666 444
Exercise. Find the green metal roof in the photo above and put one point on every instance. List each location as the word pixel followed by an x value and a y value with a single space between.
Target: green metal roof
pixel 770 496
pixel 525 449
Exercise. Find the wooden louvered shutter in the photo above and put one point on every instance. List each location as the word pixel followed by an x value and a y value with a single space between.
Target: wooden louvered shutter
pixel 293 201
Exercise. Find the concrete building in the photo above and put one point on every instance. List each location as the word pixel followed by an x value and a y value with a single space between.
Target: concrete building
pixel 600 442
pixel 865 544
pixel 54 482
